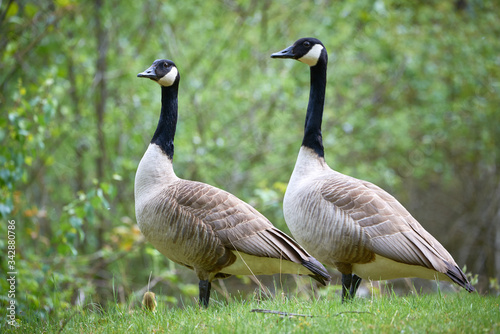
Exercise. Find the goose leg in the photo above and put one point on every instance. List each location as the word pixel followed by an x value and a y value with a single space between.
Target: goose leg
pixel 346 286
pixel 356 280
pixel 350 284
pixel 205 287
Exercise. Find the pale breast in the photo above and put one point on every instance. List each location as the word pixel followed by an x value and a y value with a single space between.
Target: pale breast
pixel 325 230
pixel 172 230
pixel 180 235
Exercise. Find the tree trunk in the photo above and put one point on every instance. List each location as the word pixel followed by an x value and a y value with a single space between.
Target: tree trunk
pixel 100 104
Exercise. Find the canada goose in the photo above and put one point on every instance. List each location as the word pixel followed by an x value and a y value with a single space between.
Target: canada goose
pixel 347 223
pixel 199 226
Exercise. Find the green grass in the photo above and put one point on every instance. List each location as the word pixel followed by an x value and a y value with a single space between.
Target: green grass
pixel 436 313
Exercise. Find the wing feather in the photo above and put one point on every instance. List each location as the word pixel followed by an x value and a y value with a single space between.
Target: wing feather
pixel 392 231
pixel 238 226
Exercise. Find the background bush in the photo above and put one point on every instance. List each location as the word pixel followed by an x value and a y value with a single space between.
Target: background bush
pixel 412 105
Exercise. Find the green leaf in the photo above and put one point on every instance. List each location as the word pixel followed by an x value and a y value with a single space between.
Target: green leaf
pixel 75 222
pixel 30 9
pixel 12 10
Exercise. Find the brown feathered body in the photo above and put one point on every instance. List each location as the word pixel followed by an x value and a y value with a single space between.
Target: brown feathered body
pixel 210 230
pixel 359 228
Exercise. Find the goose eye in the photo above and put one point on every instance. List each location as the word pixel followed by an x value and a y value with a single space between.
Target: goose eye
pixel 165 65
pixel 307 44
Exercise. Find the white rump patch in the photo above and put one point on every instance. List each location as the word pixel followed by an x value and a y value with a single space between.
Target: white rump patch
pixel 383 268
pixel 169 78
pixel 311 58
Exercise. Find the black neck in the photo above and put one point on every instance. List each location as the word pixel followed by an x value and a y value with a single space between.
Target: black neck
pixel 312 133
pixel 165 131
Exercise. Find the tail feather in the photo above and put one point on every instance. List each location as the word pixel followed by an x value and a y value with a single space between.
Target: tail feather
pixel 458 277
pixel 320 273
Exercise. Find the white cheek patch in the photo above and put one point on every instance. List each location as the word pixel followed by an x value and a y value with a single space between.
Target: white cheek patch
pixel 169 78
pixel 311 58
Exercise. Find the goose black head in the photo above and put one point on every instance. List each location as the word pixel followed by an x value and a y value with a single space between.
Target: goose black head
pixel 163 71
pixel 307 50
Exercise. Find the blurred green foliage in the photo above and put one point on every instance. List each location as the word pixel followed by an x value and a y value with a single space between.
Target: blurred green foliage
pixel 412 105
